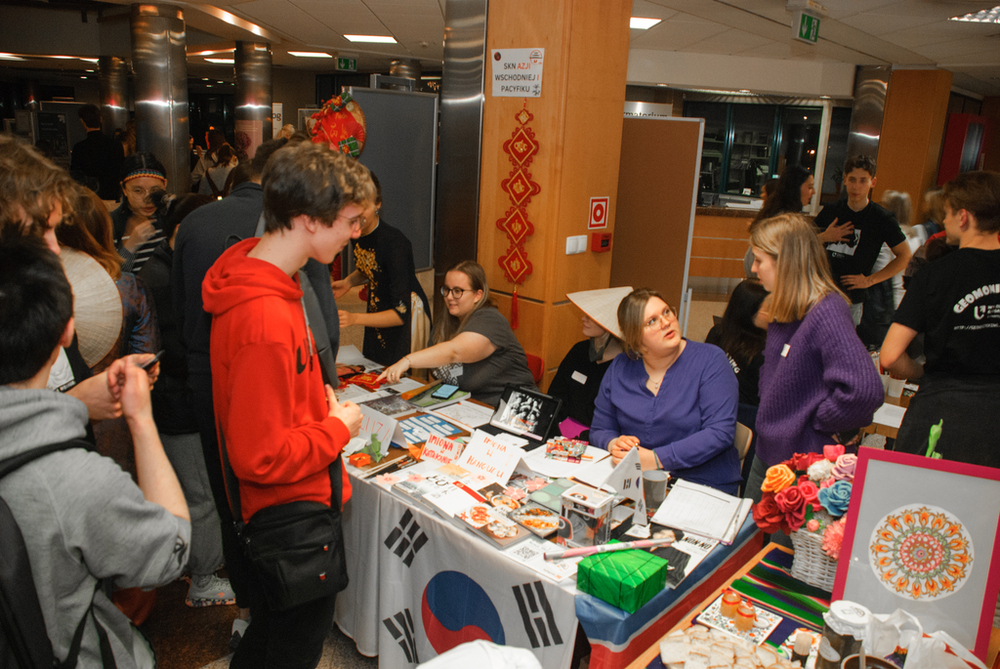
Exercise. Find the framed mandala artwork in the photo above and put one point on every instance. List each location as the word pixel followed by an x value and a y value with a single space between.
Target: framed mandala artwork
pixel 921 536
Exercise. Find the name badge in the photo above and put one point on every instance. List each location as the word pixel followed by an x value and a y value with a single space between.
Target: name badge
pixel 784 350
pixel 579 378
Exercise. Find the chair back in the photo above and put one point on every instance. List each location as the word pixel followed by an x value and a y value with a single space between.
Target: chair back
pixel 744 436
pixel 537 367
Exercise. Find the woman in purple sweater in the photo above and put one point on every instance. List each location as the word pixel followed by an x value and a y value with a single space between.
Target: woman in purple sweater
pixel 817 380
pixel 673 399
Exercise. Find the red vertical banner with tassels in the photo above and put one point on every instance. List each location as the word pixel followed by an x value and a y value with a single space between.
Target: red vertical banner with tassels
pixel 520 149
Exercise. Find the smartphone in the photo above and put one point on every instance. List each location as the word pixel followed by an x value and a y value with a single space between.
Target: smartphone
pixel 152 361
pixel 444 391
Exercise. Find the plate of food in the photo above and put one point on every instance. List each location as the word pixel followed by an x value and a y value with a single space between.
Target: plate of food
pixel 537 519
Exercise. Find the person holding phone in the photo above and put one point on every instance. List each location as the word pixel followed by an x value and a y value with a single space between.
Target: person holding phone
pixel 475 348
pixel 138 226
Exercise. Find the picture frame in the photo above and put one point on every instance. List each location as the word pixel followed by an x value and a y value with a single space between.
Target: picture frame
pixel 920 535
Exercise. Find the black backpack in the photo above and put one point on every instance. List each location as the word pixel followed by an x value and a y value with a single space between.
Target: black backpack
pixel 24 642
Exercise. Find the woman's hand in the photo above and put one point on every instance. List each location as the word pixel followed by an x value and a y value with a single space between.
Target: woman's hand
pixel 620 446
pixel 395 372
pixel 141 234
pixel 347 318
pixel 341 288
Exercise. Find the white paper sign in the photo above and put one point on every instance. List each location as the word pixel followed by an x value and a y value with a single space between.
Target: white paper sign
pixel 494 458
pixel 626 479
pixel 441 449
pixel 376 426
pixel 517 73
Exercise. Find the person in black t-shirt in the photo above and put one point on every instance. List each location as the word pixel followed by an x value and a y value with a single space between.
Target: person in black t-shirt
pixel 853 232
pixel 955 302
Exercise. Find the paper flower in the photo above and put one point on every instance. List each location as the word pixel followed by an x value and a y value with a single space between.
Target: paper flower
pixel 836 498
pixel 810 493
pixel 844 469
pixel 794 507
pixel 812 525
pixel 833 451
pixel 800 461
pixel 820 471
pixel 767 515
pixel 833 539
pixel 777 478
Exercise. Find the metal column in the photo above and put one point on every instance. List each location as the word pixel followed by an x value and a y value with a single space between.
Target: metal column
pixel 871 83
pixel 161 98
pixel 253 96
pixel 461 134
pixel 113 78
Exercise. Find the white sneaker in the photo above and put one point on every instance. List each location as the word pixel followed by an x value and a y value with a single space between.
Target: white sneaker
pixel 210 590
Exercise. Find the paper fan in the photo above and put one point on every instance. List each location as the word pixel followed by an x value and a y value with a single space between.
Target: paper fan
pixel 97 305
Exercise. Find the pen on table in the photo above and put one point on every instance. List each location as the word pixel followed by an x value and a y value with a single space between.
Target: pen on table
pixel 607 548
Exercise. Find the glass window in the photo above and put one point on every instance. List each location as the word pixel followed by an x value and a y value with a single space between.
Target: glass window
pixel 800 128
pixel 713 147
pixel 750 155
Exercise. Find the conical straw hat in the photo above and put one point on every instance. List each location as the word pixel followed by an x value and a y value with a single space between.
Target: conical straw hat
pixel 97 305
pixel 601 306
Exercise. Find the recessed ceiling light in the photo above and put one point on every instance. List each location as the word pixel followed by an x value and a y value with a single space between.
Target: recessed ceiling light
pixel 376 39
pixel 985 16
pixel 637 23
pixel 221 61
pixel 309 54
pixel 91 60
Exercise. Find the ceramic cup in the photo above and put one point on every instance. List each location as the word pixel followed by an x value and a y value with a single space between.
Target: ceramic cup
pixel 654 488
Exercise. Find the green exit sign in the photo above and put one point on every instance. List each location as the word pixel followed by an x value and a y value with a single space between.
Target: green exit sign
pixel 805 27
pixel 349 64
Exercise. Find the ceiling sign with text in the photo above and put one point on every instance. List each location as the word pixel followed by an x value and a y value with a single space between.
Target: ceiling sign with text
pixel 517 73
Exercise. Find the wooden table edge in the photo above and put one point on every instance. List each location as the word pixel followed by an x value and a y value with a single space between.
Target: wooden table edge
pixel 647 656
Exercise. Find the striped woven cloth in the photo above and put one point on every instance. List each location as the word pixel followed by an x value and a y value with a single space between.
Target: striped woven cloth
pixel 769 585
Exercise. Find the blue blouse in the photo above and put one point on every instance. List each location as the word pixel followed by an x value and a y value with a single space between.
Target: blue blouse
pixel 690 424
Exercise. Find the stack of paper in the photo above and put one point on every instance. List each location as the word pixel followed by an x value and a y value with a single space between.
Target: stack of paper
pixel 704 511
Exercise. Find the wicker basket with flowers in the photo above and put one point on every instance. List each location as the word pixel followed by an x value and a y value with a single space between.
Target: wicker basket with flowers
pixel 806 497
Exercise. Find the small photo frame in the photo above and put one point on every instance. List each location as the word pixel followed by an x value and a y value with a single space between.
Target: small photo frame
pixel 526 413
pixel 920 535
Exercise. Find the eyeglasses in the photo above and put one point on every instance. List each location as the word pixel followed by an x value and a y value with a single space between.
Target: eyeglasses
pixel 138 191
pixel 355 222
pixel 454 292
pixel 662 317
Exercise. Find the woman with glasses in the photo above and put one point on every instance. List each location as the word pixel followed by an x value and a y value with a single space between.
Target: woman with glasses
pixel 673 399
pixel 138 228
pixel 397 320
pixel 817 379
pixel 475 348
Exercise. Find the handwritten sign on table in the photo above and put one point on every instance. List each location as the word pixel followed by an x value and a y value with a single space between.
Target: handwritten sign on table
pixel 441 449
pixel 490 456
pixel 376 427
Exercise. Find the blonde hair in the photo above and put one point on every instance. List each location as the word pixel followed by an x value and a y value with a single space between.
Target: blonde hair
pixel 631 318
pixel 30 186
pixel 802 271
pixel 449 326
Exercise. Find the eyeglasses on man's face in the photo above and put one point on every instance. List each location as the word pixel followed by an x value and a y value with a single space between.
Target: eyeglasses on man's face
pixel 664 316
pixel 456 293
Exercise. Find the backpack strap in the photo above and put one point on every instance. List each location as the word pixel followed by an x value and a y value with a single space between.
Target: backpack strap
pixel 28 623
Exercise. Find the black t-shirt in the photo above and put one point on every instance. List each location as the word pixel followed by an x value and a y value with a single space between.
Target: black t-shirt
pixel 873 226
pixel 747 371
pixel 955 302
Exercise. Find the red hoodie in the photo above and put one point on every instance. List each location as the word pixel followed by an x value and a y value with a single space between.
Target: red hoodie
pixel 270 403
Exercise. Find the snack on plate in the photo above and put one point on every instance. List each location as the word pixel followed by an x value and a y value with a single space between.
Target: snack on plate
pixel 537 519
pixel 570 450
pixel 699 647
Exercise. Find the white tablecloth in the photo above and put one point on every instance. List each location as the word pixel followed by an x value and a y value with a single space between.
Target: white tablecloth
pixel 420 586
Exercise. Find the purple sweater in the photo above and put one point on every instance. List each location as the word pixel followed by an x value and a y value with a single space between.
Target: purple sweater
pixel 817 379
pixel 690 423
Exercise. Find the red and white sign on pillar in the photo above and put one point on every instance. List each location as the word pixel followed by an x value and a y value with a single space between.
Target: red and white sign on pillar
pixel 598 213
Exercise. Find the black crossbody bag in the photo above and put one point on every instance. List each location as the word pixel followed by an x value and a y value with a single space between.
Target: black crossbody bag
pixel 296 550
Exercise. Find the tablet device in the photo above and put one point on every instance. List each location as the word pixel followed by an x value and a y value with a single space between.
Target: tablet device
pixel 527 413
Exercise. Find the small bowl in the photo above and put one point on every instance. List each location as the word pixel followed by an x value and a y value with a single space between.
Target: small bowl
pixel 851 662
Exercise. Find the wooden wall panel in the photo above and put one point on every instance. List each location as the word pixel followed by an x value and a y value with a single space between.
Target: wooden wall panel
pixel 722 226
pixel 713 247
pixel 916 109
pixel 728 268
pixel 578 127
pixel 658 159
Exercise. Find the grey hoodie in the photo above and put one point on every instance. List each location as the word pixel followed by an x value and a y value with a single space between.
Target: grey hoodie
pixel 83 519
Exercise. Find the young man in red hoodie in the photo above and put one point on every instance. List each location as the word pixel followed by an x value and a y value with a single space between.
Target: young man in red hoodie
pixel 279 426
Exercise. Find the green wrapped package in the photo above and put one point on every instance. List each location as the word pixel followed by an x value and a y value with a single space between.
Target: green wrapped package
pixel 626 579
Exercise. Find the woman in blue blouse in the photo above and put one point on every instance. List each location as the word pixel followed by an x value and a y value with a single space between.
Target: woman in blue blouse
pixel 675 400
